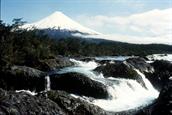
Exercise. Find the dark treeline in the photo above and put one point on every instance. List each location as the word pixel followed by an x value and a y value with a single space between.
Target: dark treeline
pixel 22 47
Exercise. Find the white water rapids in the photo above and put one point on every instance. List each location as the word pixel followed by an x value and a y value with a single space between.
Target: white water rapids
pixel 48 83
pixel 167 57
pixel 126 93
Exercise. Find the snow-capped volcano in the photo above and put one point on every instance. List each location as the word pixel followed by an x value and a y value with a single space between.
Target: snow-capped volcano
pixel 60 22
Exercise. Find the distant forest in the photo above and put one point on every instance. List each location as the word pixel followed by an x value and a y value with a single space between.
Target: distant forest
pixel 20 46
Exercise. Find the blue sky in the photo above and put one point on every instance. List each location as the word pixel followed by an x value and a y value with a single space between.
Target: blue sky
pixel 32 10
pixel 143 21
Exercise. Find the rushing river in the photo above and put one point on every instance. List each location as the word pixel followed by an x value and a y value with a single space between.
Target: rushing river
pixel 125 94
pixel 167 57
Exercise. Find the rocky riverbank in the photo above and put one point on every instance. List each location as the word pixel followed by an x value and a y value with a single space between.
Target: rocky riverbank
pixel 60 99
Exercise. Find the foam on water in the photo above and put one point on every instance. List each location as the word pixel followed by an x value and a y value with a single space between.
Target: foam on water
pixel 125 94
pixel 167 57
pixel 83 70
pixel 87 65
pixel 27 91
pixel 48 83
pixel 116 58
pixel 170 78
pixel 128 94
pixel 147 83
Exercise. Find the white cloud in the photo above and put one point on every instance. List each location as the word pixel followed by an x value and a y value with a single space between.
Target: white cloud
pixel 129 3
pixel 153 26
pixel 133 39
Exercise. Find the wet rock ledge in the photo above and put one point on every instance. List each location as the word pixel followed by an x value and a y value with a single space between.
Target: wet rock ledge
pixel 50 103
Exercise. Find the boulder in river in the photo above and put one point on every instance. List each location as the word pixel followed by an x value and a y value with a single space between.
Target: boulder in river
pixel 119 70
pixel 79 84
pixel 140 64
pixel 163 105
pixel 22 77
pixel 50 64
pixel 56 63
pixel 161 75
pixel 87 59
pixel 104 62
pixel 162 65
pixel 116 70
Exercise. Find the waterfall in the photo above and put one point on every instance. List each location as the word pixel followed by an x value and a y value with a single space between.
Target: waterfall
pixel 88 65
pixel 147 82
pixel 125 94
pixel 128 94
pixel 47 83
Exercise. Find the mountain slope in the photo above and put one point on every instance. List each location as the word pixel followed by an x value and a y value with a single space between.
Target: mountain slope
pixel 60 22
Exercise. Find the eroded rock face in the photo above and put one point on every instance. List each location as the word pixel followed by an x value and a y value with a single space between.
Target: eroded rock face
pixel 162 105
pixel 140 64
pixel 104 62
pixel 116 70
pixel 50 64
pixel 74 106
pixel 87 59
pixel 78 84
pixel 164 102
pixel 119 70
pixel 26 71
pixel 56 103
pixel 22 77
pixel 163 71
pixel 58 62
pixel 161 65
pixel 12 103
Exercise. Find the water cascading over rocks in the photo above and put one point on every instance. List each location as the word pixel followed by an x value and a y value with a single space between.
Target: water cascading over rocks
pixel 47 83
pixel 126 93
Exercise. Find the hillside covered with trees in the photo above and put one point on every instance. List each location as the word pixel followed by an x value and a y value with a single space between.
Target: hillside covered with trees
pixel 23 47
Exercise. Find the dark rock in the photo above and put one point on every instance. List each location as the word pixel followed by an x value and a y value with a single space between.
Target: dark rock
pixel 58 62
pixel 78 84
pixel 50 64
pixel 74 106
pixel 26 71
pixel 163 105
pixel 12 103
pixel 159 79
pixel 104 62
pixel 145 57
pixel 162 65
pixel 163 71
pixel 140 64
pixel 87 59
pixel 56 103
pixel 119 70
pixel 77 106
pixel 22 77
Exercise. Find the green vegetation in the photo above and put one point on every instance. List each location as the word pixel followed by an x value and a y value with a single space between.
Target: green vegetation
pixel 24 47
